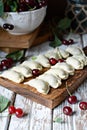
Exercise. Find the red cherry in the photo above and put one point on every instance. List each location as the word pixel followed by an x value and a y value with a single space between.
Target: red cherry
pixel 60 60
pixel 4 62
pixel 72 99
pixel 83 105
pixel 35 72
pixel 65 42
pixel 52 61
pixel 11 109
pixel 67 110
pixel 19 112
pixel 70 41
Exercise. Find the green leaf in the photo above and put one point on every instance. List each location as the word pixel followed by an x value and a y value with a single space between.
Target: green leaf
pixel 16 56
pixel 58 120
pixel 34 57
pixel 4 102
pixel 56 42
pixel 14 6
pixel 1 8
pixel 64 23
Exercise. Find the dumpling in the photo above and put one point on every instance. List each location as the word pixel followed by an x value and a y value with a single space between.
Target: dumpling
pixel 52 80
pixel 81 58
pixel 75 63
pixel 52 54
pixel 32 64
pixel 24 70
pixel 40 85
pixel 13 76
pixel 62 53
pixel 44 61
pixel 66 67
pixel 74 50
pixel 58 72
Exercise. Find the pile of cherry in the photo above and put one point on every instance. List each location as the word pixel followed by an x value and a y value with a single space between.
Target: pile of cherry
pixel 23 5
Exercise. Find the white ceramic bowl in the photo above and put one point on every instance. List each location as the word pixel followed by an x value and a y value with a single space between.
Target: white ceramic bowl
pixel 23 22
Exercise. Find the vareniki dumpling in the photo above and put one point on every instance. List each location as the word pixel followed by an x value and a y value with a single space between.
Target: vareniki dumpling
pixel 24 70
pixel 58 72
pixel 62 53
pixel 81 58
pixel 13 76
pixel 75 63
pixel 52 80
pixel 40 85
pixel 32 64
pixel 52 54
pixel 74 50
pixel 66 67
pixel 43 60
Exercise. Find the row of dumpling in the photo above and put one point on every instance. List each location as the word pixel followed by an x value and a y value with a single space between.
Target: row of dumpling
pixel 24 70
pixel 59 71
pixel 51 78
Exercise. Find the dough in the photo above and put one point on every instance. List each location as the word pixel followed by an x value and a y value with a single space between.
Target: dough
pixel 74 50
pixel 58 72
pixel 43 60
pixel 24 70
pixel 13 76
pixel 81 58
pixel 52 80
pixel 66 67
pixel 75 63
pixel 40 85
pixel 32 64
pixel 62 53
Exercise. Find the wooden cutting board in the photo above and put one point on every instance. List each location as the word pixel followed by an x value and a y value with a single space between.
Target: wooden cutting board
pixel 55 96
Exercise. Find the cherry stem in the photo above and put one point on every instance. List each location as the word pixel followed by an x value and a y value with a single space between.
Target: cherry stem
pixel 68 90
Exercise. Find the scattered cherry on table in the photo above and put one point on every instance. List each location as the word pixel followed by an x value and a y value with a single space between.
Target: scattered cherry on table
pixel 19 112
pixel 83 105
pixel 11 109
pixel 67 110
pixel 72 99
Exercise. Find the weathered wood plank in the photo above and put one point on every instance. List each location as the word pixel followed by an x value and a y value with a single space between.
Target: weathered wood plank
pixel 40 118
pixel 70 122
pixel 4 117
pixel 24 122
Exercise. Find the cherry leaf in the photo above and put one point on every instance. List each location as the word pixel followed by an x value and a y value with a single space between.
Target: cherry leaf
pixel 56 42
pixel 58 120
pixel 4 102
pixel 16 56
pixel 1 8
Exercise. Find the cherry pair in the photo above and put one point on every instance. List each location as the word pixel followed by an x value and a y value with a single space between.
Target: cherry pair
pixel 67 110
pixel 6 63
pixel 17 111
pixel 67 42
pixel 53 61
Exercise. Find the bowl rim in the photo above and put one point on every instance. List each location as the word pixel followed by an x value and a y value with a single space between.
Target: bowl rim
pixel 30 11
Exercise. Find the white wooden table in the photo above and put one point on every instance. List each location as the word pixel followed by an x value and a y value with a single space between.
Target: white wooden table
pixel 40 117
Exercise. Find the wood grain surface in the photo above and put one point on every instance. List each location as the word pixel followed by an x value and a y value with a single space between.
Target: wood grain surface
pixel 55 96
pixel 10 43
